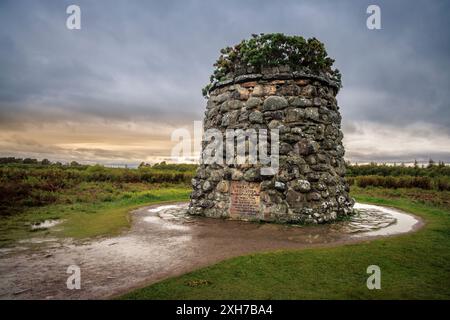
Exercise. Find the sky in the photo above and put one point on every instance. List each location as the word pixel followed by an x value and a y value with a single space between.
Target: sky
pixel 114 91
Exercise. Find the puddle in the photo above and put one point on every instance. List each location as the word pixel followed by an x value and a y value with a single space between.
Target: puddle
pixel 371 220
pixel 163 208
pixel 153 219
pixel 169 217
pixel 45 224
pixel 38 240
pixel 381 221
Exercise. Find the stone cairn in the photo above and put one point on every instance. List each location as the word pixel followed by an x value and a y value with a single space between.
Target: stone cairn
pixel 309 186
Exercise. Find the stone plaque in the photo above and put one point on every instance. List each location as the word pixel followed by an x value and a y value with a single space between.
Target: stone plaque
pixel 244 197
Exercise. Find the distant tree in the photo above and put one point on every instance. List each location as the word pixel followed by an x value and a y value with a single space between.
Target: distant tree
pixel 29 161
pixel 45 162
pixel 431 163
pixel 74 164
pixel 142 165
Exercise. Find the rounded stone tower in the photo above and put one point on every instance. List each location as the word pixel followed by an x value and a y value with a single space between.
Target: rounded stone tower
pixel 308 185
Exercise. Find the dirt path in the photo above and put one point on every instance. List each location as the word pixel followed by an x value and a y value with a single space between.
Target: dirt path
pixel 163 242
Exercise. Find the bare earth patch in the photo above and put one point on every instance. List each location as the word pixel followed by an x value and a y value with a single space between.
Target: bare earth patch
pixel 164 242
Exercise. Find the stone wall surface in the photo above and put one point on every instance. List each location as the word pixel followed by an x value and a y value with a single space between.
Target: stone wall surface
pixel 310 185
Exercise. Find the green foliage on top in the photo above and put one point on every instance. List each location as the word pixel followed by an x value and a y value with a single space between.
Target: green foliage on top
pixel 271 50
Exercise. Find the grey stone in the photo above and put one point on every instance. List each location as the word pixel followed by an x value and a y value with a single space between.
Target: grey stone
pixel 301 185
pixel 300 102
pixel 236 174
pixel 295 199
pixel 306 147
pixel 256 117
pixel 314 196
pixel 235 104
pixel 280 186
pixel 222 186
pixel 295 115
pixel 207 186
pixel 252 175
pixel 312 113
pixel 253 103
pixel 273 103
pixel 309 91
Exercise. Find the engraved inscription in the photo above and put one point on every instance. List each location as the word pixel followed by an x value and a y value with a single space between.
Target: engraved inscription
pixel 244 199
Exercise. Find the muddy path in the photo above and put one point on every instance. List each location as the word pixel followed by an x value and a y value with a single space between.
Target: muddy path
pixel 164 242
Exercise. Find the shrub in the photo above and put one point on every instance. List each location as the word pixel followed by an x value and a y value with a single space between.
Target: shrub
pixel 395 182
pixel 269 50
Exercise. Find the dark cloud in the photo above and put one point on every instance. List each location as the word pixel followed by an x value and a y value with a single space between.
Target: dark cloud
pixel 147 60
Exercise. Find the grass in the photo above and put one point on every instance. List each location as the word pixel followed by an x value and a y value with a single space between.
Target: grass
pixel 413 266
pixel 86 219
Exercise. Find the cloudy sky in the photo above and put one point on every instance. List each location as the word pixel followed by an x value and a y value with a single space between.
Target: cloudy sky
pixel 114 91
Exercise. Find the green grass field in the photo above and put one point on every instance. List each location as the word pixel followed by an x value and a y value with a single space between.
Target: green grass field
pixel 413 266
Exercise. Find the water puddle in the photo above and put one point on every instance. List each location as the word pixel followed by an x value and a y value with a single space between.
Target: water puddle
pixel 163 208
pixel 380 221
pixel 45 224
pixel 169 217
pixel 370 220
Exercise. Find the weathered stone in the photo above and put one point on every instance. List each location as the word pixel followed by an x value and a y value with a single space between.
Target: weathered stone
pixel 289 90
pixel 285 148
pixel 312 113
pixel 216 175
pixel 243 93
pixel 306 147
pixel 235 105
pixel 317 102
pixel 309 91
pixel 225 120
pixel 264 90
pixel 301 185
pixel 300 102
pixel 207 186
pixel 249 84
pixel 275 115
pixel 302 82
pixel 223 97
pixel 295 115
pixel 314 196
pixel 256 117
pixel 280 186
pixel 295 199
pixel 252 175
pixel 253 103
pixel 267 185
pixel 236 174
pixel 273 103
pixel 222 186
